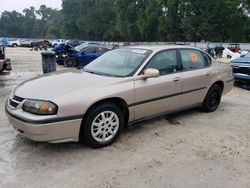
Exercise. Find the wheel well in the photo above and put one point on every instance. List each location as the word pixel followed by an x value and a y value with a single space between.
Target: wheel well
pixel 221 84
pixel 119 102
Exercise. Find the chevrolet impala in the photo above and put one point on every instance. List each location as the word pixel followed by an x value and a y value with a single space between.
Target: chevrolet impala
pixel 122 87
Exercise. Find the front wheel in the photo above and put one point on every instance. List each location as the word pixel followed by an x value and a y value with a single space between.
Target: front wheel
pixel 102 125
pixel 212 99
pixel 70 63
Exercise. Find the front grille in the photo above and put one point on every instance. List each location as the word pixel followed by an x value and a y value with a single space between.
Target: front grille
pixel 19 99
pixel 15 101
pixel 242 70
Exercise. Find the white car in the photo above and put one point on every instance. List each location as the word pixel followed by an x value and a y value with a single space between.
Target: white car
pixel 56 42
pixel 14 42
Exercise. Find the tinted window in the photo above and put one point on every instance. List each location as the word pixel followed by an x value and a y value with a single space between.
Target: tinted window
pixel 192 59
pixel 90 50
pixel 165 62
pixel 101 49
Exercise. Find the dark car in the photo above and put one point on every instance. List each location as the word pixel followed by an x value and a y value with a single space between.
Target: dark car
pixel 84 54
pixel 5 64
pixel 241 68
pixel 40 44
pixel 63 49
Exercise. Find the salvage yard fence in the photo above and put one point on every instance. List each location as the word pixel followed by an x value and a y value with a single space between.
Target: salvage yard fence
pixel 203 45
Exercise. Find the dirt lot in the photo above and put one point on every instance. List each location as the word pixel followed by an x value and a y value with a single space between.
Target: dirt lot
pixel 190 149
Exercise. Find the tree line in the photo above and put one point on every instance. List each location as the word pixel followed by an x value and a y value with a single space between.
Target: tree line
pixel 31 23
pixel 134 20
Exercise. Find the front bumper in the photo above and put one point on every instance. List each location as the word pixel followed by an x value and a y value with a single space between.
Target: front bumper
pixel 45 131
pixel 5 65
pixel 241 77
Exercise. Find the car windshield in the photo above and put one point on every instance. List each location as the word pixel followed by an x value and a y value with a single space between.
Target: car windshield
pixel 119 62
pixel 80 47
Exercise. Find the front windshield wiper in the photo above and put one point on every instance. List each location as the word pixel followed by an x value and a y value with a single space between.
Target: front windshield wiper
pixel 91 72
pixel 99 73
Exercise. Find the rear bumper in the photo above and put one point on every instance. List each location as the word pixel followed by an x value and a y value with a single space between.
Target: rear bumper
pixel 55 132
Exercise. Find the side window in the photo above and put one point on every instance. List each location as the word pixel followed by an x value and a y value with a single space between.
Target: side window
pixel 192 59
pixel 165 62
pixel 90 50
pixel 207 59
pixel 101 49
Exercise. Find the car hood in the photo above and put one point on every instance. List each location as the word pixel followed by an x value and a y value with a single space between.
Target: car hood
pixel 241 60
pixel 56 84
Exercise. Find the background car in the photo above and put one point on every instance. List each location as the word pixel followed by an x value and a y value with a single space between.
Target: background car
pixel 83 54
pixel 5 64
pixel 57 41
pixel 234 47
pixel 14 42
pixel 62 50
pixel 4 41
pixel 241 68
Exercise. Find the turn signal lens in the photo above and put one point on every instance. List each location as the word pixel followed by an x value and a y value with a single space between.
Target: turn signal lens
pixel 44 107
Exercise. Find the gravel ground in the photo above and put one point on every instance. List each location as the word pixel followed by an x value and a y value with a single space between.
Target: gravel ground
pixel 189 149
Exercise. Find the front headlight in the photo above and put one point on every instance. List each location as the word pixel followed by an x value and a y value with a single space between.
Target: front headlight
pixel 40 107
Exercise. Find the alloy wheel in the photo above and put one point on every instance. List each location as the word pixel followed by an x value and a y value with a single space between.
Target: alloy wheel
pixel 105 126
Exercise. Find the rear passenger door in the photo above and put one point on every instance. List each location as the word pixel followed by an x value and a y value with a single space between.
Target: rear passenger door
pixel 196 75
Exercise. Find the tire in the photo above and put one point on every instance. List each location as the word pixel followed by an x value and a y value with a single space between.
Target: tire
pixel 70 63
pixel 60 62
pixel 96 133
pixel 212 99
pixel 14 45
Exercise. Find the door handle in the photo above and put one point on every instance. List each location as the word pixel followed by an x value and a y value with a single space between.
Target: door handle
pixel 176 79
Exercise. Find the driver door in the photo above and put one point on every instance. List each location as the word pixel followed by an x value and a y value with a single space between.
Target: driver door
pixel 87 56
pixel 154 96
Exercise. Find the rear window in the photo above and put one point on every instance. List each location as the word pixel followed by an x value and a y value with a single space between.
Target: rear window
pixel 192 59
pixel 207 59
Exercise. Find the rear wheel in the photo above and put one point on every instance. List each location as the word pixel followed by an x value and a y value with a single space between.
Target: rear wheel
pixel 102 125
pixel 212 99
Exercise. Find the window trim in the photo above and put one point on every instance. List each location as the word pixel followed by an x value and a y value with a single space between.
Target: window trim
pixel 207 64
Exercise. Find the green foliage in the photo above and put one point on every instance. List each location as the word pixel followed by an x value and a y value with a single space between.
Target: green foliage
pixel 134 20
pixel 159 20
pixel 42 23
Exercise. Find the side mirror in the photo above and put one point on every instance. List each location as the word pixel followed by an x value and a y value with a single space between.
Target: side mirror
pixel 149 73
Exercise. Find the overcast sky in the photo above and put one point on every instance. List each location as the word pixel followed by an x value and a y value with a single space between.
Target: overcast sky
pixel 19 5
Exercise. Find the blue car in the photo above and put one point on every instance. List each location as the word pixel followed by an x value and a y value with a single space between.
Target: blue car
pixel 84 54
pixel 63 49
pixel 241 68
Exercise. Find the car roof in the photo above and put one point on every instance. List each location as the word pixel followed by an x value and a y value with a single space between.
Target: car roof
pixel 162 47
pixel 98 46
